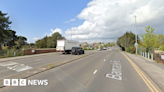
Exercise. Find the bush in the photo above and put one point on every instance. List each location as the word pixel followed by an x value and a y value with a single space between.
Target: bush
pixel 128 49
pixel 132 49
pixel 84 48
pixel 10 52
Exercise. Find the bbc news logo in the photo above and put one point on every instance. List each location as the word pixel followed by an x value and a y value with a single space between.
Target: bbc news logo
pixel 24 82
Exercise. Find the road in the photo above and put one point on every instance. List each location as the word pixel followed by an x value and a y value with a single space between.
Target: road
pixel 103 71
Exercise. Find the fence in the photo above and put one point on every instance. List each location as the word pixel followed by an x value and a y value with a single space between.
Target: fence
pixel 158 56
pixel 21 52
pixel 37 51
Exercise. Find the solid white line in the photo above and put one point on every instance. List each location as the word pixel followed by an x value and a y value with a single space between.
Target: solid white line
pixel 95 72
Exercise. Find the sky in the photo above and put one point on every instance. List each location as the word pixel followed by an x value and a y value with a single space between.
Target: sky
pixel 87 20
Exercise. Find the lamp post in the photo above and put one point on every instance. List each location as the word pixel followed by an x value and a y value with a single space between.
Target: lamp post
pixel 136 44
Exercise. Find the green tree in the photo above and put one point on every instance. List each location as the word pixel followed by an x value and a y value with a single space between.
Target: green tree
pixel 21 41
pixel 4 26
pixel 10 40
pixel 112 43
pixel 150 39
pixel 108 44
pixel 127 40
pixel 161 39
pixel 99 42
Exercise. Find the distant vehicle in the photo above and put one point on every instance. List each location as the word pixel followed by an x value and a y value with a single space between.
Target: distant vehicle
pixel 98 49
pixel 77 50
pixel 65 46
pixel 104 48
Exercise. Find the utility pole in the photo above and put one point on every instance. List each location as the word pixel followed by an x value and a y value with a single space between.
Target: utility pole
pixel 136 44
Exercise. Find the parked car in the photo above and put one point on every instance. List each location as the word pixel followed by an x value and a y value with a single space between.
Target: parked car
pixel 98 49
pixel 77 50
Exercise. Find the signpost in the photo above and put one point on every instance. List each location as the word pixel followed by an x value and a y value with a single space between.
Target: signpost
pixel 33 51
pixel 162 57
pixel 136 45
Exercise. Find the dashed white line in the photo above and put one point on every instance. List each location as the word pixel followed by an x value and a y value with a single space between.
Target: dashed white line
pixel 104 59
pixel 95 72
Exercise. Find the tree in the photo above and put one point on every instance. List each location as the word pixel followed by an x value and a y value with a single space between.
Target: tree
pixel 112 43
pixel 12 37
pixel 161 39
pixel 127 40
pixel 108 44
pixel 21 41
pixel 99 42
pixel 4 26
pixel 149 39
pixel 54 38
pixel 49 42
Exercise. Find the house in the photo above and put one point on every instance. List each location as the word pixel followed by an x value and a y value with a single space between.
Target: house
pixel 102 44
pixel 83 44
pixel 96 45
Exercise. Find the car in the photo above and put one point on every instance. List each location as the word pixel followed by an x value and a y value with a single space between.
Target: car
pixel 98 49
pixel 77 50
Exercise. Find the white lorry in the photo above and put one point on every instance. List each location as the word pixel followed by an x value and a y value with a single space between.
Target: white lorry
pixel 65 46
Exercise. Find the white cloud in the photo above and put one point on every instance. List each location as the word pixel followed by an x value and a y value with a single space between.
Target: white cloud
pixel 35 39
pixel 70 20
pixel 56 30
pixel 109 19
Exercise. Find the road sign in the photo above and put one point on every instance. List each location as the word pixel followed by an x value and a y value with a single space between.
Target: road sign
pixel 162 57
pixel 136 44
pixel 33 51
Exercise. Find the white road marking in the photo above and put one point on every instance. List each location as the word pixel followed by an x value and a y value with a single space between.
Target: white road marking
pixel 104 59
pixel 23 69
pixel 8 63
pixel 95 72
pixel 116 70
pixel 15 66
pixel 38 59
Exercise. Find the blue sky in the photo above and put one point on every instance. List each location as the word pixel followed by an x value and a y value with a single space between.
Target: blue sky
pixel 34 18
pixel 91 20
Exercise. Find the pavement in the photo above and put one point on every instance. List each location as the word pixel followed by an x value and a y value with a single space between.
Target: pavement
pixel 150 67
pixel 101 71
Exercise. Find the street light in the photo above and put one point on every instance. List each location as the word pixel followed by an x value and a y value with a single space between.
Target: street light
pixel 136 44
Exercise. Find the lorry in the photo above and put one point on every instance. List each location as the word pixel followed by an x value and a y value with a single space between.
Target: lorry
pixel 66 46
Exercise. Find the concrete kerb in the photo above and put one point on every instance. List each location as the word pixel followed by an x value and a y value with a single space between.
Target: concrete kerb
pixel 146 74
pixel 36 71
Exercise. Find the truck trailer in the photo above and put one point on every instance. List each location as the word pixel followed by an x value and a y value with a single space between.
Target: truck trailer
pixel 65 46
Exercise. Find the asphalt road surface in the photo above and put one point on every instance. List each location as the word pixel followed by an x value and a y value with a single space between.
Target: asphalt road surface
pixel 103 71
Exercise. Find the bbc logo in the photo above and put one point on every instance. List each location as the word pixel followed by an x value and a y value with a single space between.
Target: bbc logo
pixel 14 82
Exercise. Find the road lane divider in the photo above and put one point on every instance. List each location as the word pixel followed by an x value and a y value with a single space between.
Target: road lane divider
pixel 104 59
pixel 145 79
pixel 95 72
